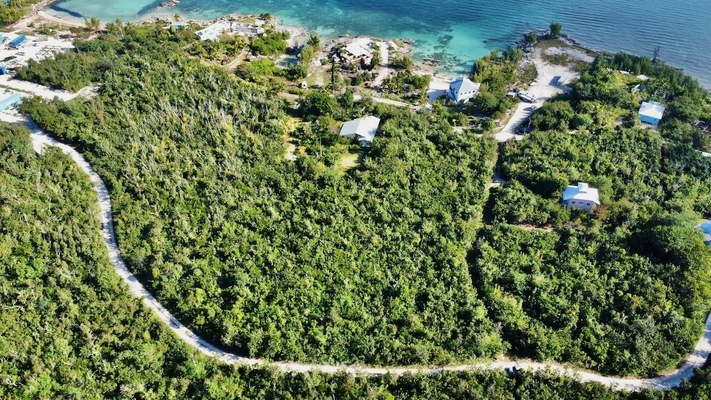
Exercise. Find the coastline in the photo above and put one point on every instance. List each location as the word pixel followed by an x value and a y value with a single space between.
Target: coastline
pixel 42 14
pixel 45 16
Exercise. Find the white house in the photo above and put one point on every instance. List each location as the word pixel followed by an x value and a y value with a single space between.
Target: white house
pixel 462 90
pixel 362 129
pixel 651 112
pixel 582 197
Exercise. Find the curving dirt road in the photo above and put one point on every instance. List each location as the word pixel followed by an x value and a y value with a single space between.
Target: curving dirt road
pixel 667 381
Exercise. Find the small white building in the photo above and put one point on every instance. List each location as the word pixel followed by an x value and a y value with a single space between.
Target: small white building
pixel 582 197
pixel 362 129
pixel 651 112
pixel 462 90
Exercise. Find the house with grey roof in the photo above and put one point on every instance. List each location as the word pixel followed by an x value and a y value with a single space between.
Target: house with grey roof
pixel 582 197
pixel 462 90
pixel 362 129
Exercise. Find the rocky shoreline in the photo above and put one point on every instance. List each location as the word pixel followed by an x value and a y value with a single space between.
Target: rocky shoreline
pixel 168 3
pixel 544 34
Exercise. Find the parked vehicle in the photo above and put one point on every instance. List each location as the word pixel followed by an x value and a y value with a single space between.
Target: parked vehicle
pixel 526 97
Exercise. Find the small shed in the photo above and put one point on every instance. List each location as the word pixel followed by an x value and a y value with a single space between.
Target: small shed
pixel 9 99
pixel 362 129
pixel 16 42
pixel 651 112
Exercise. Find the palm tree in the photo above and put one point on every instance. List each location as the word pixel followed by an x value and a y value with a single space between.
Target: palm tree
pixel 92 24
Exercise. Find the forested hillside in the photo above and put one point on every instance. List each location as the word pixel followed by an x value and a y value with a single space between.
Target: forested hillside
pixel 12 11
pixel 68 327
pixel 278 259
pixel 70 330
pixel 388 262
pixel 623 290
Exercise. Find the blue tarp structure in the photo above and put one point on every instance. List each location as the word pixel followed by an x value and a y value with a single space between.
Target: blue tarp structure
pixel 10 99
pixel 16 42
pixel 706 228
pixel 3 70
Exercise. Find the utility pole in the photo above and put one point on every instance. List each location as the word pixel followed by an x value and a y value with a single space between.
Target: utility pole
pixel 333 74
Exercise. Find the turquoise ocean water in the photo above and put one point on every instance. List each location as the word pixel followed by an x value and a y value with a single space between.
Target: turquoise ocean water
pixel 460 31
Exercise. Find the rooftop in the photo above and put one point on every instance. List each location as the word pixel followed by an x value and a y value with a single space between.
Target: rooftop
pixel 364 128
pixel 581 192
pixel 464 85
pixel 359 47
pixel 652 109
pixel 706 229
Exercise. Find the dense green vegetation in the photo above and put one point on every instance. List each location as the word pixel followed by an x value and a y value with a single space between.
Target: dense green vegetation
pixel 12 11
pixel 582 296
pixel 599 94
pixel 70 330
pixel 498 73
pixel 227 46
pixel 625 289
pixel 67 325
pixel 304 260
pixel 253 251
pixel 272 43
pixel 405 82
pixel 94 60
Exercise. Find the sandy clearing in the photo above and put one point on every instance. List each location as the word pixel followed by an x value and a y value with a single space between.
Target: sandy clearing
pixel 438 88
pixel 38 90
pixel 543 89
pixel 573 53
